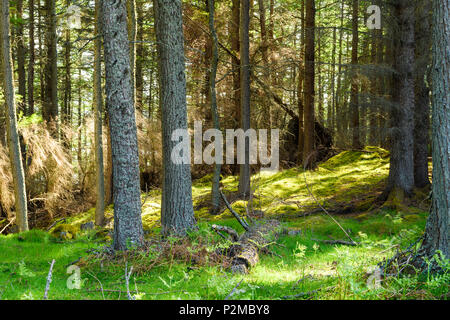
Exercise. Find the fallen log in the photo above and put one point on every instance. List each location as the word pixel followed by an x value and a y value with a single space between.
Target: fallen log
pixel 245 252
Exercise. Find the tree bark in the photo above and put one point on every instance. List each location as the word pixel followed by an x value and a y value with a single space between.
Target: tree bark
pixel 50 103
pixel 98 128
pixel 11 120
pixel 401 172
pixel 308 150
pixel 177 216
pixel 422 95
pixel 354 103
pixel 437 229
pixel 215 190
pixel 244 172
pixel 125 158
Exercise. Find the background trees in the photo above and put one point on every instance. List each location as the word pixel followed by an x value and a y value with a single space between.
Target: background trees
pixel 311 68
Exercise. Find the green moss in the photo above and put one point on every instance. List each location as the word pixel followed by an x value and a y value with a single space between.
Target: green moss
pixel 65 231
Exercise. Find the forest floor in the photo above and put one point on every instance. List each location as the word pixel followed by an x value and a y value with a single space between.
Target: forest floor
pixel 301 265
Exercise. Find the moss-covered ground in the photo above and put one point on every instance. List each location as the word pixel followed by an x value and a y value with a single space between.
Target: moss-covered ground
pixel 301 266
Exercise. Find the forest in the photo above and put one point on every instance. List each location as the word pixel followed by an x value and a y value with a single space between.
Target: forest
pixel 224 150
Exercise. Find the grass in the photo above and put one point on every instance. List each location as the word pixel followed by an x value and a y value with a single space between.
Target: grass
pixel 307 269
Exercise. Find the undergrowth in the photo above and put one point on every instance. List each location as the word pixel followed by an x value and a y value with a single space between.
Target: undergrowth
pixel 302 266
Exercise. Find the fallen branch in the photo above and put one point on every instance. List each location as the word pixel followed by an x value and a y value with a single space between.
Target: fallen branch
pixel 234 290
pixel 343 242
pixel 127 282
pixel 318 203
pixel 12 220
pixel 49 280
pixel 236 215
pixel 233 233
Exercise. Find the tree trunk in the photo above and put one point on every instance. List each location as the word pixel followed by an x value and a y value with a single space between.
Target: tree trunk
pixel 401 172
pixel 21 60
pixel 50 103
pixel 98 113
pixel 422 96
pixel 11 121
pixel 437 229
pixel 354 103
pixel 235 63
pixel 215 190
pixel 244 172
pixel 119 91
pixel 308 150
pixel 177 216
pixel 31 60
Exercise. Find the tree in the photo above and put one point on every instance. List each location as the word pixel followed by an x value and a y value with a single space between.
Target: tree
pixel 215 190
pixel 354 104
pixel 401 171
pixel 177 213
pixel 11 120
pixel 50 103
pixel 422 94
pixel 119 91
pixel 308 146
pixel 244 172
pixel 98 112
pixel 437 228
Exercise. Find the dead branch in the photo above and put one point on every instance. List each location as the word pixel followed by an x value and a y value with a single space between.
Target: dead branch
pixel 49 280
pixel 127 282
pixel 233 233
pixel 234 290
pixel 236 215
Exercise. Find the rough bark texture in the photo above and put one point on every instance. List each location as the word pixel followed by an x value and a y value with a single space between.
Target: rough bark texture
pixel 177 214
pixel 215 192
pixel 31 59
pixel 437 229
pixel 11 122
pixel 245 253
pixel 98 113
pixel 308 149
pixel 235 63
pixel 422 100
pixel 50 103
pixel 127 201
pixel 354 103
pixel 244 170
pixel 401 173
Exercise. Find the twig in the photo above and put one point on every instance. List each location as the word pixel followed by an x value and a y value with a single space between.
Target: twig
pixel 49 280
pixel 234 235
pixel 343 242
pixel 12 220
pixel 234 290
pixel 318 203
pixel 55 223
pixel 101 286
pixel 236 215
pixel 127 282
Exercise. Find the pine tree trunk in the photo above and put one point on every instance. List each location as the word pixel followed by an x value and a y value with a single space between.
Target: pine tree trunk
pixel 50 103
pixel 215 190
pixel 98 113
pixel 308 155
pixel 354 103
pixel 31 60
pixel 401 172
pixel 422 94
pixel 244 172
pixel 437 230
pixel 177 216
pixel 125 158
pixel 11 122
